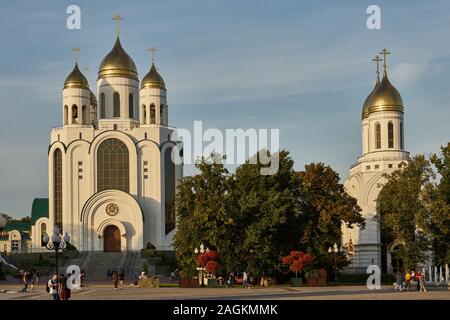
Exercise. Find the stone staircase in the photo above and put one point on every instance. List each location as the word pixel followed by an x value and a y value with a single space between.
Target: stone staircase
pixel 97 264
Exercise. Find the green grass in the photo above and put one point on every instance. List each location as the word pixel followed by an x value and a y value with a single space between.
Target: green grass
pixel 169 285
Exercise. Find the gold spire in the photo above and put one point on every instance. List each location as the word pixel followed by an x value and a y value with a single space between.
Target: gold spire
pixel 153 79
pixel 385 97
pixel 384 52
pixel 76 79
pixel 117 63
pixel 365 111
pixel 153 51
pixel 117 18
pixel 75 52
pixel 377 59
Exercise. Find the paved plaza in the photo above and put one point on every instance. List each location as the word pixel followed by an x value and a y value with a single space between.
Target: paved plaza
pixel 106 292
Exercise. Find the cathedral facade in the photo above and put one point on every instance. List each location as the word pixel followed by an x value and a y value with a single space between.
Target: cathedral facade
pixel 383 151
pixel 112 182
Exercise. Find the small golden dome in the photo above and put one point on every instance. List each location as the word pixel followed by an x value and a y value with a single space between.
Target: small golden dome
pixel 117 63
pixel 385 98
pixel 153 79
pixel 76 79
pixel 365 111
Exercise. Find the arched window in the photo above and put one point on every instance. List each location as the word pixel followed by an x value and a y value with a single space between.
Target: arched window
pixel 113 168
pixel 390 135
pixel 102 106
pixel 74 114
pixel 43 232
pixel 169 178
pixel 377 136
pixel 144 114
pixel 401 135
pixel 161 114
pixel 57 187
pixel 85 115
pixel 131 105
pixel 152 114
pixel 116 105
pixel 66 114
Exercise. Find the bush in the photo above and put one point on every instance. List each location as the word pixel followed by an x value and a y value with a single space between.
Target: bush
pixel 150 246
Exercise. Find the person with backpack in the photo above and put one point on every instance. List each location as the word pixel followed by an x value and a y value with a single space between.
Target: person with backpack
pixel 52 287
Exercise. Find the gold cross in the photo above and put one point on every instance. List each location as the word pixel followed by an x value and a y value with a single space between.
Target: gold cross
pixel 377 59
pixel 384 52
pixel 117 18
pixel 75 52
pixel 153 51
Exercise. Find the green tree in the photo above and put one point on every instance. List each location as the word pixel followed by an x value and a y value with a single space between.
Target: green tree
pixel 438 200
pixel 202 205
pixel 403 213
pixel 268 210
pixel 324 207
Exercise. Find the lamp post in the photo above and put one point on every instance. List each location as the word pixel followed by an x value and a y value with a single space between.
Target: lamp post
pixel 56 243
pixel 202 251
pixel 334 251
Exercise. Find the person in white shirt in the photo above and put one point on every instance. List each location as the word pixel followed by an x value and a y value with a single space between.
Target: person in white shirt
pixel 53 286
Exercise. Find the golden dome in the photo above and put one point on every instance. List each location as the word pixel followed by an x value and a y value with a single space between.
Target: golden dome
pixel 153 79
pixel 117 63
pixel 76 79
pixel 365 111
pixel 385 98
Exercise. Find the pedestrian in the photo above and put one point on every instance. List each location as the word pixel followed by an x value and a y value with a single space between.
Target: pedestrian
pixel 422 283
pixel 121 277
pixel 407 279
pixel 245 280
pixel 399 280
pixel 115 279
pixel 418 275
pixel 64 291
pixel 229 282
pixel 34 279
pixel 52 286
pixel 24 279
pixel 172 276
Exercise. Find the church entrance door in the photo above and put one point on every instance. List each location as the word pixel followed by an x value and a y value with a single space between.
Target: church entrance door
pixel 111 239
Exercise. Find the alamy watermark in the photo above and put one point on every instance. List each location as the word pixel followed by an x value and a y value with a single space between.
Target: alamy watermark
pixel 238 146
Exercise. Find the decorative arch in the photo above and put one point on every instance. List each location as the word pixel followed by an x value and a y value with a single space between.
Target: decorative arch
pixel 57 188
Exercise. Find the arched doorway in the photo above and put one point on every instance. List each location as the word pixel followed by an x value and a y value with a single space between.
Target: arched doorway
pixel 111 238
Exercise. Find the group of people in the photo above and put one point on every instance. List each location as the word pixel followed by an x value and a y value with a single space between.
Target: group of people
pixel 58 288
pixel 29 279
pixel 117 278
pixel 247 280
pixel 410 280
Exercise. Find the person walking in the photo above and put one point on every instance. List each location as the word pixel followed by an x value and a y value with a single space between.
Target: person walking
pixel 407 279
pixel 422 283
pixel 34 279
pixel 417 279
pixel 399 280
pixel 52 286
pixel 64 291
pixel 115 279
pixel 245 280
pixel 24 279
pixel 120 278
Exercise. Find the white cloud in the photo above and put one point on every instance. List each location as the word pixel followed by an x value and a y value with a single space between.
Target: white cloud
pixel 405 74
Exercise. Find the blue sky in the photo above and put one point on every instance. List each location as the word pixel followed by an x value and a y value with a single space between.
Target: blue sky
pixel 301 66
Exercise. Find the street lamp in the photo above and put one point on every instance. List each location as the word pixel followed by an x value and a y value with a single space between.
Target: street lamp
pixel 56 243
pixel 202 251
pixel 334 251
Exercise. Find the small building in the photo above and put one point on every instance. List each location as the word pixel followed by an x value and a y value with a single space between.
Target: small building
pixel 15 238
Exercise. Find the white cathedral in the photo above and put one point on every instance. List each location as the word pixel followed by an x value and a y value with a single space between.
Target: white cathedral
pixel 383 151
pixel 111 179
